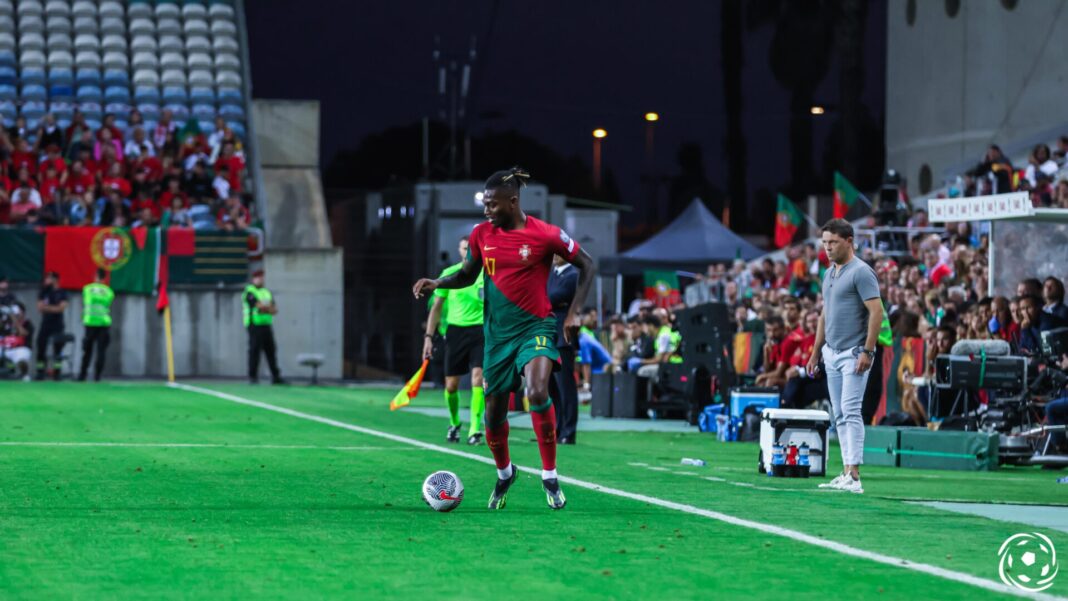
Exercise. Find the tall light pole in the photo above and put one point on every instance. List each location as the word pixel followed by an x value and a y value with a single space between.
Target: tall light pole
pixel 598 135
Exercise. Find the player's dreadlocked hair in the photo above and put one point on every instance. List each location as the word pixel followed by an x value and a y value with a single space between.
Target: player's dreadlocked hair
pixel 509 180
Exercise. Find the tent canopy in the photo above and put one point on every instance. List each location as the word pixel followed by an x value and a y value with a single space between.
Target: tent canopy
pixel 693 240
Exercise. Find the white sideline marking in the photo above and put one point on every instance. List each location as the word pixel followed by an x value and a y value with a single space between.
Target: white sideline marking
pixel 198 445
pixel 889 560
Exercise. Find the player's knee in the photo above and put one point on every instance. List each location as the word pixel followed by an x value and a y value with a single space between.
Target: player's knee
pixel 476 378
pixel 452 384
pixel 538 395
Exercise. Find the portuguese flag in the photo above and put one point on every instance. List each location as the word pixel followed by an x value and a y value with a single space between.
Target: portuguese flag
pixel 662 287
pixel 845 195
pixel 131 256
pixel 787 220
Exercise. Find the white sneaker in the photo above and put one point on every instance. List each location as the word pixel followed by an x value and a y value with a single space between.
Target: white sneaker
pixel 850 485
pixel 834 483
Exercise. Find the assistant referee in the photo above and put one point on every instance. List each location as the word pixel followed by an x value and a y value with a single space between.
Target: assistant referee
pixel 464 341
pixel 847 333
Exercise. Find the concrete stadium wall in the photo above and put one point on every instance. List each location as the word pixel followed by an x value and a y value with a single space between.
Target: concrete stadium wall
pixel 209 338
pixel 956 84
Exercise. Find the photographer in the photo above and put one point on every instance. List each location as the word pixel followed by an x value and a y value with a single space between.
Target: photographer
pixel 15 334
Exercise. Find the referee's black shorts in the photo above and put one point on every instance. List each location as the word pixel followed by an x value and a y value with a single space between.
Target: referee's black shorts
pixel 463 349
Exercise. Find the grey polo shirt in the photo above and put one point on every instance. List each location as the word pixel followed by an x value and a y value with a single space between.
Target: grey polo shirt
pixel 845 318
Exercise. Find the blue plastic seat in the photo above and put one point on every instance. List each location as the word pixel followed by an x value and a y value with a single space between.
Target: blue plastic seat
pixel 8 92
pixel 238 128
pixel 88 77
pixel 34 92
pixel 87 93
pixel 61 75
pixel 117 94
pixel 202 95
pixel 232 112
pixel 230 96
pixel 146 94
pixel 32 75
pixel 8 76
pixel 63 92
pixel 175 95
pixel 116 77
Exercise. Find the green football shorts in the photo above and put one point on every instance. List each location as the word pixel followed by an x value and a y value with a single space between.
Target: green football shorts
pixel 504 359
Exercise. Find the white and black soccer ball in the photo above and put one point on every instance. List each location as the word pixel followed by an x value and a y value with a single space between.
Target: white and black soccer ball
pixel 443 491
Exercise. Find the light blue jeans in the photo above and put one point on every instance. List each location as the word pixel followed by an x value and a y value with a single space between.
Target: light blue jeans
pixel 846 388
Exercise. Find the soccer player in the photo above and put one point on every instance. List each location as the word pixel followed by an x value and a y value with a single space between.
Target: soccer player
pixel 463 347
pixel 516 253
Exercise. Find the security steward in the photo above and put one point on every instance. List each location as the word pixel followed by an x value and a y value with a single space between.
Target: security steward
pixel 51 303
pixel 259 311
pixel 96 316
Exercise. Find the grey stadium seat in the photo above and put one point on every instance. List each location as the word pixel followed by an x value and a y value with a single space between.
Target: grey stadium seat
pixel 86 41
pixel 223 28
pixel 192 10
pixel 83 8
pixel 143 43
pixel 167 10
pixel 170 43
pixel 145 60
pixel 29 7
pixel 201 78
pixel 86 25
pixel 57 7
pixel 31 41
pixel 223 43
pixel 197 44
pixel 199 60
pixel 87 59
pixel 58 24
pixel 227 62
pixel 173 77
pixel 171 60
pixel 113 25
pixel 168 27
pixel 31 24
pixel 116 60
pixel 60 41
pixel 142 27
pixel 146 78
pixel 111 9
pixel 221 11
pixel 60 59
pixel 113 43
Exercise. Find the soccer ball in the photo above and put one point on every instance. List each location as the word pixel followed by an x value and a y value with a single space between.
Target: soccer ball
pixel 443 491
pixel 1028 561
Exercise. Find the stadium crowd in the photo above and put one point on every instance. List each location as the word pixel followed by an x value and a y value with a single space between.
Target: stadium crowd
pixel 145 174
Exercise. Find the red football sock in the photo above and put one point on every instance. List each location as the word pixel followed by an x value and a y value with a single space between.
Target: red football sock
pixel 497 440
pixel 545 429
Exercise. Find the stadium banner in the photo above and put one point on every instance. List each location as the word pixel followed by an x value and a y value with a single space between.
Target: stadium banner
pixel 129 255
pixel 662 287
pixel 22 253
pixel 901 362
pixel 207 257
pixel 980 208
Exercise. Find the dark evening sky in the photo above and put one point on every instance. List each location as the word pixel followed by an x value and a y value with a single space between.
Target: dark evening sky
pixel 555 69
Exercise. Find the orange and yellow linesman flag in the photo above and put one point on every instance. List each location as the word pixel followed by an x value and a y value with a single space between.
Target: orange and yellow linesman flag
pixel 410 389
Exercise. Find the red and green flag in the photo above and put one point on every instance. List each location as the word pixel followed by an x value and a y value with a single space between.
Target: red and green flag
pixel 129 255
pixel 787 220
pixel 845 195
pixel 662 287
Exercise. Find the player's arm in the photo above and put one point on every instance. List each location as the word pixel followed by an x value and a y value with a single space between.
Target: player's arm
pixel 584 263
pixel 875 323
pixel 432 326
pixel 462 278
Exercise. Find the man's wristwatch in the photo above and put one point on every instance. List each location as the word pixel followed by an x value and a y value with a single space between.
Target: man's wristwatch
pixel 870 354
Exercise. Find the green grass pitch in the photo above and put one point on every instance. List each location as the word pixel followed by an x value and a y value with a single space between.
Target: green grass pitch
pixel 140 491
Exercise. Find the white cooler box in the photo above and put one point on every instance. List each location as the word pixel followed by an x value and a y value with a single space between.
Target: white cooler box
pixel 795 426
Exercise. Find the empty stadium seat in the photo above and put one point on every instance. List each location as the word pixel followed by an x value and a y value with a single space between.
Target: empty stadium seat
pixel 219 10
pixel 143 43
pixel 180 111
pixel 113 43
pixel 61 59
pixel 202 95
pixel 171 60
pixel 168 27
pixel 170 43
pixel 57 7
pixel 197 44
pixel 8 75
pixel 199 60
pixel 201 78
pixel 146 77
pixel 8 111
pixel 86 41
pixel 139 9
pixel 61 92
pixel 34 91
pixel 230 95
pixel 7 42
pixel 194 10
pixel 83 8
pixel 29 7
pixel 85 25
pixel 196 27
pixel 117 94
pixel 89 94
pixel 33 111
pixel 150 111
pixel 59 74
pixel 166 9
pixel 31 24
pixel 203 112
pixel 175 95
pixel 7 24
pixel 225 44
pixel 88 76
pixel 173 77
pixel 59 40
pixel 116 77
pixel 117 108
pixel 145 60
pixel 58 24
pixel 146 95
pixel 8 92
pixel 35 75
pixel 238 128
pixel 92 110
pixel 62 111
pixel 142 27
pixel 94 123
pixel 221 27
pixel 7 57
pixel 87 59
pixel 116 60
pixel 111 9
pixel 113 25
pixel 7 7
pixel 227 62
pixel 32 58
pixel 31 41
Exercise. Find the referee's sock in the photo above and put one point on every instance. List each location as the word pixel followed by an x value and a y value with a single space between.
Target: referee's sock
pixel 452 399
pixel 478 407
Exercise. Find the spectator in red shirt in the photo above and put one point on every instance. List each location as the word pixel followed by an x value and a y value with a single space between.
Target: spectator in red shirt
pixel 802 389
pixel 55 161
pixel 173 191
pixel 775 329
pixel 24 200
pixel 1002 325
pixel 50 183
pixel 105 139
pixel 24 157
pixel 235 163
pixel 164 127
pixel 109 125
pixel 79 180
pixel 115 180
pixel 145 202
pixel 233 215
pixel 22 177
pixel 5 208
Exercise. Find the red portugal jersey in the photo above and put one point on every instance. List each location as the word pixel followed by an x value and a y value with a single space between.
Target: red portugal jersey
pixel 516 264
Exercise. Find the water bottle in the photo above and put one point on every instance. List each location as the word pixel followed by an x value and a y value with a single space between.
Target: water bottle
pixel 778 458
pixel 802 454
pixel 690 461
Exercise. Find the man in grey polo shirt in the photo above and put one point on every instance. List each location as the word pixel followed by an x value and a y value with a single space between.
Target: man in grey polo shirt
pixel 847 333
